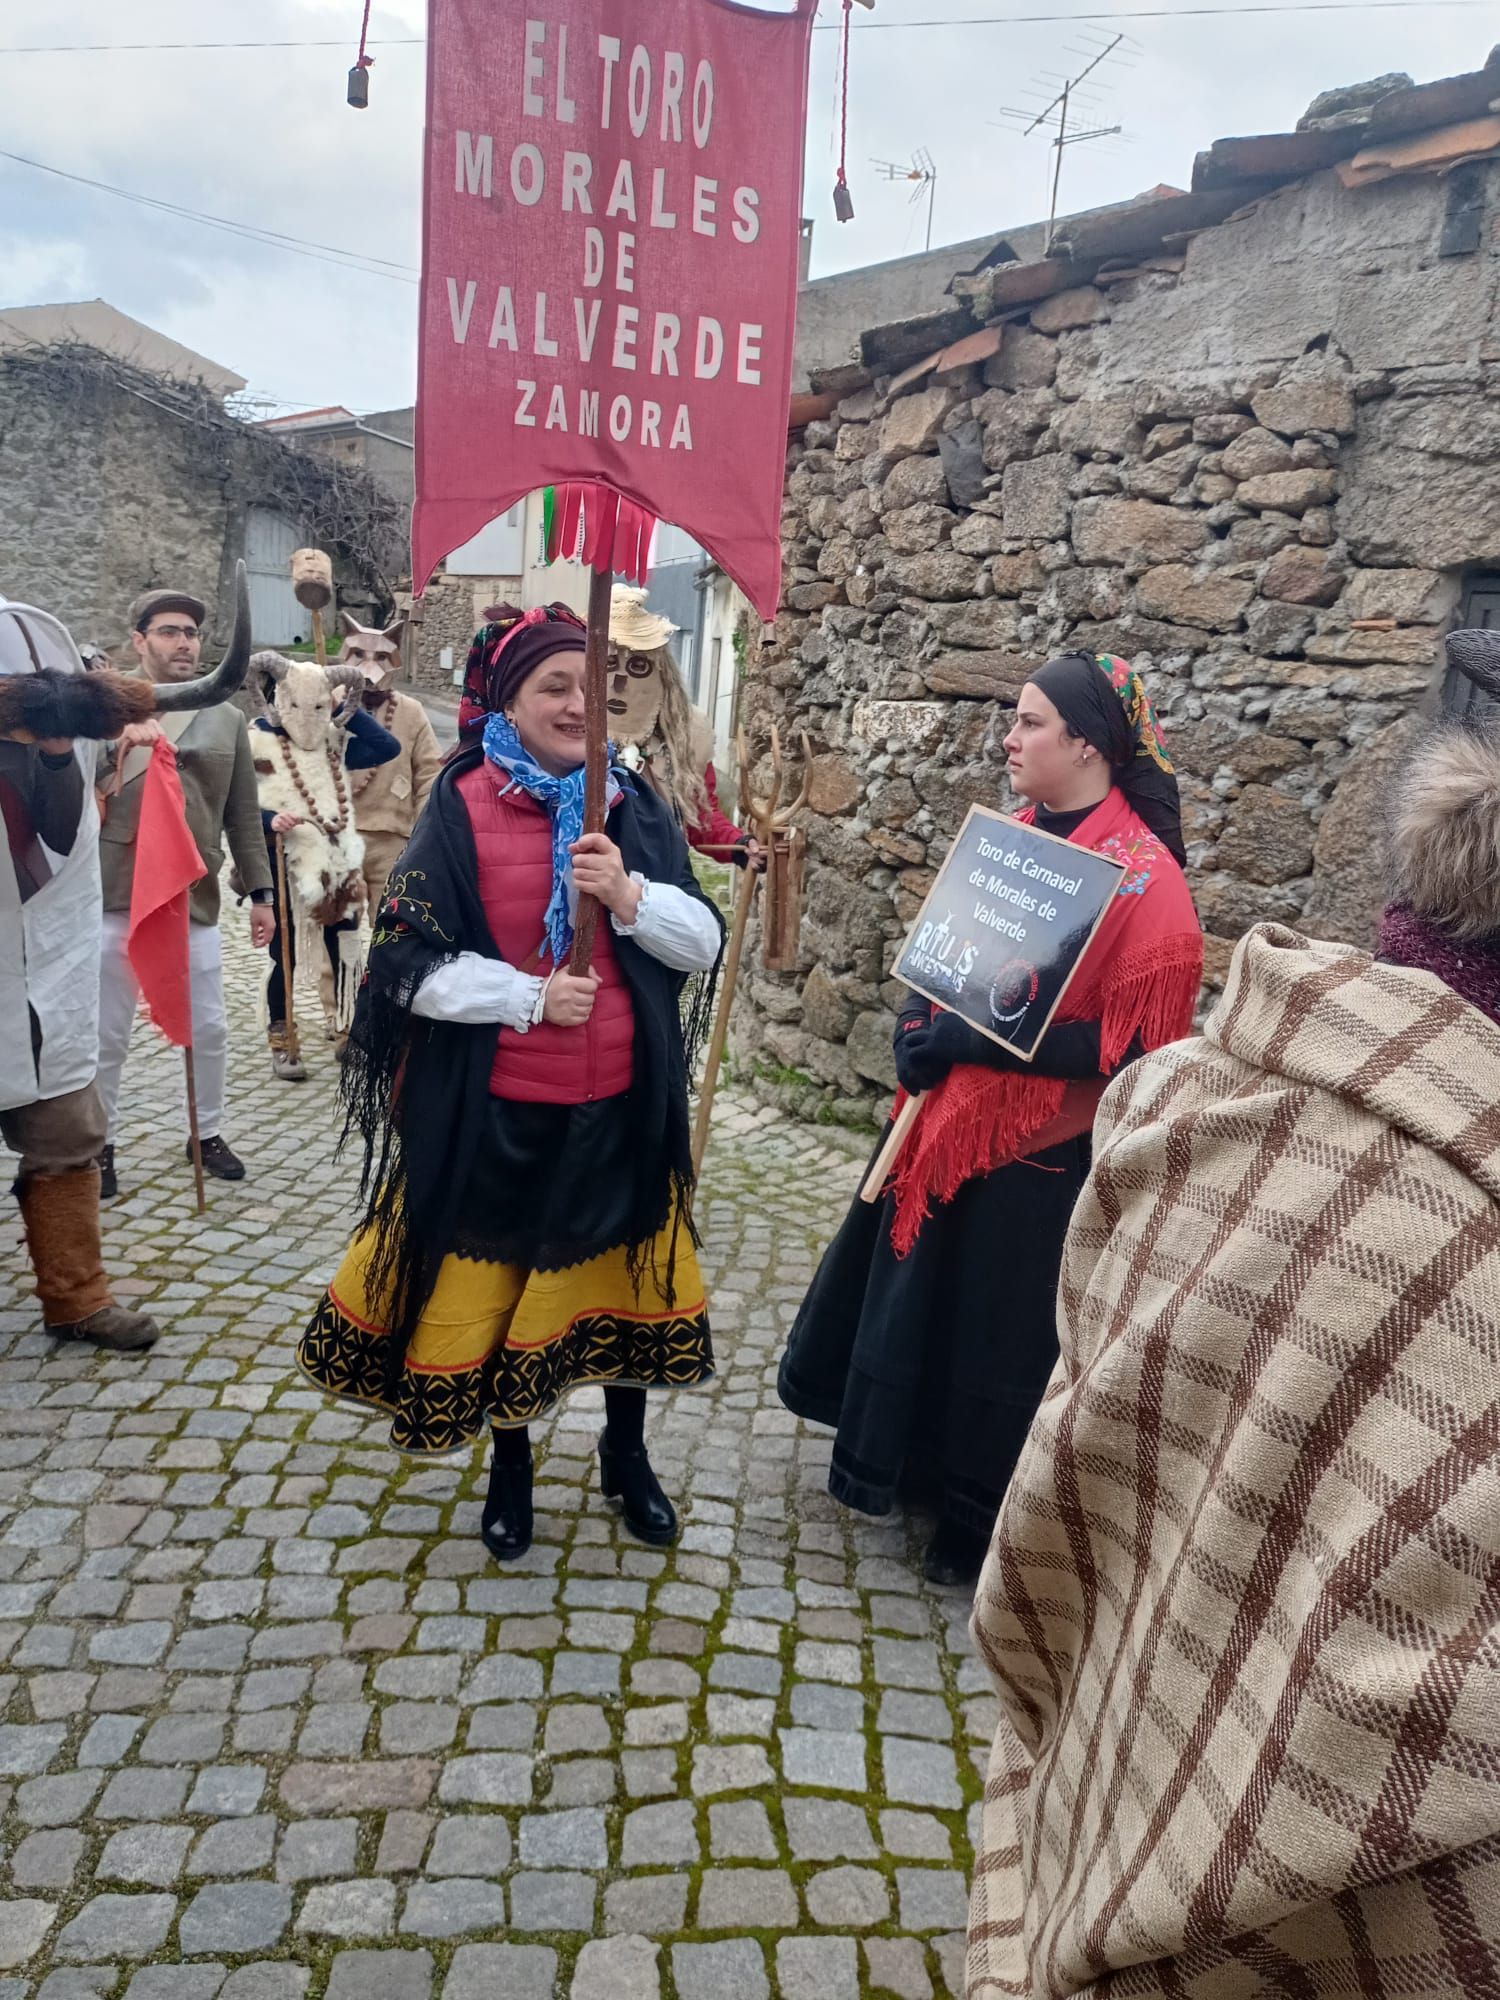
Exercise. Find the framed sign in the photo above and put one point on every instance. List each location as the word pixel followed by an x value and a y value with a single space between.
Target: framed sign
pixel 1006 925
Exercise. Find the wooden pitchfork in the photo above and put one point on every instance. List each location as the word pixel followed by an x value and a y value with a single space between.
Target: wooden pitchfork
pixel 770 822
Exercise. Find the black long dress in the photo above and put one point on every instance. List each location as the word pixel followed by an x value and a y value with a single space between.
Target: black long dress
pixel 930 1367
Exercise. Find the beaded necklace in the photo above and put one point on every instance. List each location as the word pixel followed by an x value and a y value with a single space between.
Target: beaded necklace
pixel 330 829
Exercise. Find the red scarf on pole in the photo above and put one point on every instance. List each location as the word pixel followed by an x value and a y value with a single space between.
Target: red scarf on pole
pixel 1139 977
pixel 167 864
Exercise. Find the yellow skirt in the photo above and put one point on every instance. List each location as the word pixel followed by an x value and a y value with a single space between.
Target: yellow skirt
pixel 499 1344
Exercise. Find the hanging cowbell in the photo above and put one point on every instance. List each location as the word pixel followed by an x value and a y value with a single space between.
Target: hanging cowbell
pixel 843 200
pixel 359 76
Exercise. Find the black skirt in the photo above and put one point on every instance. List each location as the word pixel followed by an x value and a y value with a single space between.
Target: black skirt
pixel 551 1184
pixel 930 1367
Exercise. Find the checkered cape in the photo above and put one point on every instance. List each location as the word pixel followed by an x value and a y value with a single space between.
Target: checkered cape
pixel 1243 1601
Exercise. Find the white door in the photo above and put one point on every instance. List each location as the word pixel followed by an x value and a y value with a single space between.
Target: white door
pixel 276 618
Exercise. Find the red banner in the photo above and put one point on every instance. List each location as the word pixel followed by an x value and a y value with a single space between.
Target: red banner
pixel 610 260
pixel 167 864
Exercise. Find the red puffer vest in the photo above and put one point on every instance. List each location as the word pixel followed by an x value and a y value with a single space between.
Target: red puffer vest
pixel 548 1064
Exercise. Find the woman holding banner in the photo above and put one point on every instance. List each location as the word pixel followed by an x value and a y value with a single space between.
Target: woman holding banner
pixel 928 1334
pixel 527 1158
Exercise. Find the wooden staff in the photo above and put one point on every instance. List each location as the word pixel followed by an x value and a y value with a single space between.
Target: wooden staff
pixel 595 753
pixel 744 897
pixel 284 918
pixel 193 1135
pixel 885 1159
pixel 767 818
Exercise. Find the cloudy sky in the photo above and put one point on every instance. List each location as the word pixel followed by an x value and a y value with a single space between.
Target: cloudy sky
pixel 262 136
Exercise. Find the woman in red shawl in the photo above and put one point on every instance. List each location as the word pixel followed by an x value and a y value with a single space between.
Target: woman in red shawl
pixel 929 1333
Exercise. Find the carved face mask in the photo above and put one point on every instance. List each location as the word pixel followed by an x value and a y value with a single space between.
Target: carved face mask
pixel 376 654
pixel 304 705
pixel 634 700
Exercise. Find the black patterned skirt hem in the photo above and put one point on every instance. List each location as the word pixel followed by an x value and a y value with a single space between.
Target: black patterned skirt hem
pixel 499 1345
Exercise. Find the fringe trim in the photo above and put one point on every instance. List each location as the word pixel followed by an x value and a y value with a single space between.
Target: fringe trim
pixel 978 1121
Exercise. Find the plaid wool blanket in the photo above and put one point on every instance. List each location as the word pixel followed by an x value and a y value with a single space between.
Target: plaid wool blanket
pixel 1243 1600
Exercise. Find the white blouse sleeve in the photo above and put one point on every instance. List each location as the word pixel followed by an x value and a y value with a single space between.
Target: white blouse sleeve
pixel 673 926
pixel 472 990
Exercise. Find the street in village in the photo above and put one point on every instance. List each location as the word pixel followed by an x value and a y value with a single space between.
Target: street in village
pixel 272 1723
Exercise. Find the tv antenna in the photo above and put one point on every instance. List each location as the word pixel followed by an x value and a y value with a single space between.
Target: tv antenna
pixel 1069 98
pixel 922 169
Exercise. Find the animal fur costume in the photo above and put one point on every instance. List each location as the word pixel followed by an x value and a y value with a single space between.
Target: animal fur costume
pixel 1243 1600
pixel 300 765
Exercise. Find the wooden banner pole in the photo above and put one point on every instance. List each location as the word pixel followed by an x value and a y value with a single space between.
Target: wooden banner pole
pixel 890 1152
pixel 595 752
pixel 193 1134
pixel 744 897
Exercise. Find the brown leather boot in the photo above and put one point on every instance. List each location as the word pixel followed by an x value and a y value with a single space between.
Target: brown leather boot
pixel 112 1327
pixel 61 1217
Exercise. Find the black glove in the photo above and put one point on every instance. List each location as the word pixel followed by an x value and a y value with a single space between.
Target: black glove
pixel 919 1064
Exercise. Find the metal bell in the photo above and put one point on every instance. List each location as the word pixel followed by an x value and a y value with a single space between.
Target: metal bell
pixel 843 201
pixel 359 87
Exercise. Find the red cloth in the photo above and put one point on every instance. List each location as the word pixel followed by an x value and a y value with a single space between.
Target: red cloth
pixel 548 1064
pixel 1139 977
pixel 167 864
pixel 611 238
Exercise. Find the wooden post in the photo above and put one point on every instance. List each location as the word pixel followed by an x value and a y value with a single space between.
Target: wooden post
pixel 194 1138
pixel 595 752
pixel 744 897
pixel 284 919
pixel 890 1152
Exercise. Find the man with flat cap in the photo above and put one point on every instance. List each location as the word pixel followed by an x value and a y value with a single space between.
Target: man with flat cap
pixel 223 806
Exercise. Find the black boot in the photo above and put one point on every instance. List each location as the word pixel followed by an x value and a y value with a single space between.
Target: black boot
pixel 955 1555
pixel 625 1475
pixel 506 1522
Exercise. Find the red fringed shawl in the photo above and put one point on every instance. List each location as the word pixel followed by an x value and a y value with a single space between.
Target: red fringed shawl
pixel 1139 978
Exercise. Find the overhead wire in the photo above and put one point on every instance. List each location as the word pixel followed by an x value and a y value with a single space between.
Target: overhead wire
pixel 1239 8
pixel 272 239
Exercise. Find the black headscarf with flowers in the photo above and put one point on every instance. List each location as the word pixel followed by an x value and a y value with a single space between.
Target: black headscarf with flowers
pixel 1104 700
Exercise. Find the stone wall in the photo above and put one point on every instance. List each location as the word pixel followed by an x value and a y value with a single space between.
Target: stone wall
pixel 113 482
pixel 1260 469
pixel 450 612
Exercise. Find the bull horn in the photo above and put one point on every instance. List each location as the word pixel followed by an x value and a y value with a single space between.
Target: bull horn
pixel 228 677
pixel 1475 654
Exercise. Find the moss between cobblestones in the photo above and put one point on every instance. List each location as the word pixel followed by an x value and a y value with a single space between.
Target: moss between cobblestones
pixel 286 1281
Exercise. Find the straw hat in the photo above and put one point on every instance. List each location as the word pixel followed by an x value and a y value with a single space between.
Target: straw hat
pixel 632 627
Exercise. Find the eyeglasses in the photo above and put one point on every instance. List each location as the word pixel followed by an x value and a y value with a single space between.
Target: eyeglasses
pixel 172 632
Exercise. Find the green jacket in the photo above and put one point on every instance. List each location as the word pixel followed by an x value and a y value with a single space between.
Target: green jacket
pixel 223 804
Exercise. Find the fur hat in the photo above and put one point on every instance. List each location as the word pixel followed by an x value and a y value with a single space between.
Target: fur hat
pixel 1445 842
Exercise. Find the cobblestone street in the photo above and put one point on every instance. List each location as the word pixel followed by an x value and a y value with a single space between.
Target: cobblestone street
pixel 273 1724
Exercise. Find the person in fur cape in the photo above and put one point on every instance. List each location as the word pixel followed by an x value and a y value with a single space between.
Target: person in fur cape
pixel 1243 1602
pixel 311 736
pixel 928 1334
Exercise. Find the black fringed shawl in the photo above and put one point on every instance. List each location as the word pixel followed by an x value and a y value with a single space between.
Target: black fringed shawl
pixel 417 1091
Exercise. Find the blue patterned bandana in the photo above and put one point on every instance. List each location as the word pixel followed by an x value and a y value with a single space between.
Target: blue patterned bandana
pixel 562 799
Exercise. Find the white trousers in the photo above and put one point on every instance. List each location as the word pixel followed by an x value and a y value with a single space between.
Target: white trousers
pixel 118 996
